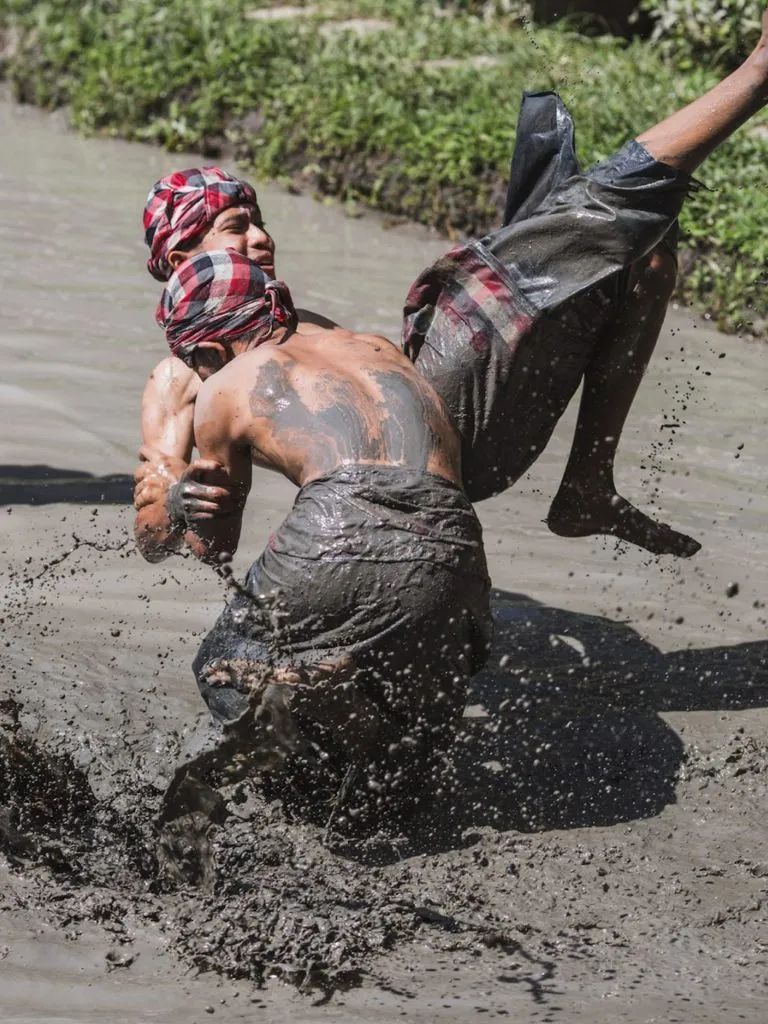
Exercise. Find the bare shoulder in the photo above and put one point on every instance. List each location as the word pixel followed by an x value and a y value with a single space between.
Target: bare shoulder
pixel 224 391
pixel 313 333
pixel 308 316
pixel 213 411
pixel 378 341
pixel 382 351
pixel 173 380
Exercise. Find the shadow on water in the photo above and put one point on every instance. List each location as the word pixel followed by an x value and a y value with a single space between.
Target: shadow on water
pixel 45 485
pixel 564 729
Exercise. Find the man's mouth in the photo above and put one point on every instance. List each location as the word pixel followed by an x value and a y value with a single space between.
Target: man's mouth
pixel 266 261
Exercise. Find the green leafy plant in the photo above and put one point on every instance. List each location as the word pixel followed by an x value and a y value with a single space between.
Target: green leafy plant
pixel 713 32
pixel 415 115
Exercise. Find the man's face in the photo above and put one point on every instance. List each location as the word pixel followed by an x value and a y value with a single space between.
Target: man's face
pixel 242 228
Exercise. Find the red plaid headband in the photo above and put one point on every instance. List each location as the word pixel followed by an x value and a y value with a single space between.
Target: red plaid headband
pixel 221 296
pixel 182 205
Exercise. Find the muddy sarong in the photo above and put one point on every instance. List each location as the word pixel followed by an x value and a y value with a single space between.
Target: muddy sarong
pixel 377 571
pixel 503 327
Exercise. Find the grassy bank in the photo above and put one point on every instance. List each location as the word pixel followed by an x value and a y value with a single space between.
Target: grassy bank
pixel 412 113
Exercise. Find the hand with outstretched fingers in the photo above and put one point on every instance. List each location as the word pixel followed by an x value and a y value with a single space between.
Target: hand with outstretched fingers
pixel 202 492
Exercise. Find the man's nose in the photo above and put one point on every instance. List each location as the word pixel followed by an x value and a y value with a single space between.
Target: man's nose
pixel 258 237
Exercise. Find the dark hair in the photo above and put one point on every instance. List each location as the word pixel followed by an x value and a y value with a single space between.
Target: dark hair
pixel 190 243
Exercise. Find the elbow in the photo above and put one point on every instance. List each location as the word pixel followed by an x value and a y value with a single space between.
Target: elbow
pixel 153 545
pixel 216 545
pixel 210 551
pixel 152 553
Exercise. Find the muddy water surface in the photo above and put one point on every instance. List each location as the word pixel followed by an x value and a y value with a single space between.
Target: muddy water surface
pixel 605 853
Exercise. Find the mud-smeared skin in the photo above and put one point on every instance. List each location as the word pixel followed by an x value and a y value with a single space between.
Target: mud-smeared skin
pixel 385 416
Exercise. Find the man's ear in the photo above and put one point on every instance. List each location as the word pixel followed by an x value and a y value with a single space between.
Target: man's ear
pixel 176 257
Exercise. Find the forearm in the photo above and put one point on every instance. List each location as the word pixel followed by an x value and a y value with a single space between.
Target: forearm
pixel 688 136
pixel 157 537
pixel 209 539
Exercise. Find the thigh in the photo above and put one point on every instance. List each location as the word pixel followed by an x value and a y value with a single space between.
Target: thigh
pixel 507 394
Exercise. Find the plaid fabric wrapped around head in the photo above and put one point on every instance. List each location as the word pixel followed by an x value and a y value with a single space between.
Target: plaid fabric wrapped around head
pixel 221 296
pixel 182 205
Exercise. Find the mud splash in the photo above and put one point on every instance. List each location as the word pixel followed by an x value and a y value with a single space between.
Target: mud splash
pixel 278 898
pixel 558 841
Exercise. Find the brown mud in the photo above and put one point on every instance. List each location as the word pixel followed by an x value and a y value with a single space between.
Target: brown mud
pixel 595 847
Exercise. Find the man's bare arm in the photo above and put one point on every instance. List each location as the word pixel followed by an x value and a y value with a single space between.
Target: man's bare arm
pixel 168 410
pixel 167 487
pixel 201 492
pixel 211 535
pixel 167 413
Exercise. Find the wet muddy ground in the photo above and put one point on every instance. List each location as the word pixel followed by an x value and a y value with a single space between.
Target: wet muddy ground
pixel 595 848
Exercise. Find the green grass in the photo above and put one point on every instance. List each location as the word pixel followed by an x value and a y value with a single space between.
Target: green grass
pixel 370 119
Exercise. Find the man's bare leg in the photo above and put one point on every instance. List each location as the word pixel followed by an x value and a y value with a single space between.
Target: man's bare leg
pixel 587 501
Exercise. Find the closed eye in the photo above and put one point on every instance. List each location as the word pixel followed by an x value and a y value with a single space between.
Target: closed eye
pixel 236 224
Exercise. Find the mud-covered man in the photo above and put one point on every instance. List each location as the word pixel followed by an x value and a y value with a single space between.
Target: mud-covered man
pixel 369 607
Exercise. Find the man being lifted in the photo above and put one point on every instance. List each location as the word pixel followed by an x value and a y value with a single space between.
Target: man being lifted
pixel 573 287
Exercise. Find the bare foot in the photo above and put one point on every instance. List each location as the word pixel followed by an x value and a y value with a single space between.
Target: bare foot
pixel 576 513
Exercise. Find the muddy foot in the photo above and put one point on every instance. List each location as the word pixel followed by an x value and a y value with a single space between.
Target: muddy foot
pixel 261 738
pixel 184 827
pixel 573 514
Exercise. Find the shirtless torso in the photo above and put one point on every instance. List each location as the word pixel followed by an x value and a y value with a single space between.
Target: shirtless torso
pixel 302 405
pixel 168 402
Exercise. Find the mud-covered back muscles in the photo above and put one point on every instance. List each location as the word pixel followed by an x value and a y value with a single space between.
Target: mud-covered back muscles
pixel 316 421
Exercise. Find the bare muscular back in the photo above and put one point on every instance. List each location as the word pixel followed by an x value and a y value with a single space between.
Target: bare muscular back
pixel 326 398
